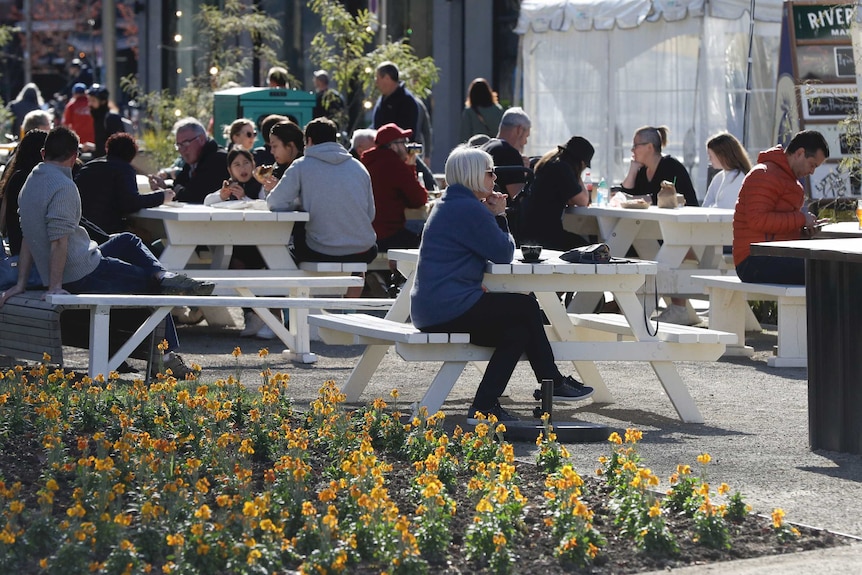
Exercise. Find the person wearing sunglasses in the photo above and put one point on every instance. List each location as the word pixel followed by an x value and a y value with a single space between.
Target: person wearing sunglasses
pixel 241 132
pixel 204 166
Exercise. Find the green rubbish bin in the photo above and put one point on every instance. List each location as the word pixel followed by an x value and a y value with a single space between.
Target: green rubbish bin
pixel 257 103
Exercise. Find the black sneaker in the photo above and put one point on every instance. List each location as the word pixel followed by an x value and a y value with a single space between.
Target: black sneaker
pixel 501 414
pixel 570 389
pixel 182 284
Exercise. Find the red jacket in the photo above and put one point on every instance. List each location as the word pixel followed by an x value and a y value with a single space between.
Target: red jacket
pixel 770 203
pixel 396 188
pixel 77 117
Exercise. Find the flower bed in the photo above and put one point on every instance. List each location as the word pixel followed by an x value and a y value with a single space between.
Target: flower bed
pixel 187 477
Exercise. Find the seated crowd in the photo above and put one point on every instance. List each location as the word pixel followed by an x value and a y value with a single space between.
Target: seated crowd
pixel 356 199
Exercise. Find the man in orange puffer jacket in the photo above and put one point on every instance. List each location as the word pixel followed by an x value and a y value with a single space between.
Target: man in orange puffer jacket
pixel 769 208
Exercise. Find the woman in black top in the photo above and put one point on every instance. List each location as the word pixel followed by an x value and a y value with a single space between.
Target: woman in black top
pixel 557 185
pixel 649 167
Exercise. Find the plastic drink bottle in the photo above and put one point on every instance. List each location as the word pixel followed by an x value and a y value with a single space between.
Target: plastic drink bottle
pixel 602 195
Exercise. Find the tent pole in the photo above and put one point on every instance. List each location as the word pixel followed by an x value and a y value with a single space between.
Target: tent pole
pixel 748 74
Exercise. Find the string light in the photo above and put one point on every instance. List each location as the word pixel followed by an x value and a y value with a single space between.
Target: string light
pixel 178 38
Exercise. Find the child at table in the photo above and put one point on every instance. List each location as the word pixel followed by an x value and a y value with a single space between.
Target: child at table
pixel 241 185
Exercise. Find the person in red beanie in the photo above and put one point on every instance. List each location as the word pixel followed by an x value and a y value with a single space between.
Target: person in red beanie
pixel 392 168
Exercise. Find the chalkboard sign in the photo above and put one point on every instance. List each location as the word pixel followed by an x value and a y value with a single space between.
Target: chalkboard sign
pixel 828 102
pixel 817 72
pixel 845 67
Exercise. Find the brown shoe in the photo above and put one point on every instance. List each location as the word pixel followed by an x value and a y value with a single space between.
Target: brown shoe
pixel 178 367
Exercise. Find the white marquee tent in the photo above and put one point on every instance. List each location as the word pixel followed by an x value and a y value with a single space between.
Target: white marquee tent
pixel 603 68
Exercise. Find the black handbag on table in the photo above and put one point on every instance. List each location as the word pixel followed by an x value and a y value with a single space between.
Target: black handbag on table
pixel 592 254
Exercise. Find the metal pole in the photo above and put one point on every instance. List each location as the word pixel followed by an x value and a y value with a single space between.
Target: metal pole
pixel 748 75
pixel 109 48
pixel 28 42
pixel 383 27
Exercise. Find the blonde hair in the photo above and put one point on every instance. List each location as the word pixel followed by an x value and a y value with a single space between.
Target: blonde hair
pixel 467 166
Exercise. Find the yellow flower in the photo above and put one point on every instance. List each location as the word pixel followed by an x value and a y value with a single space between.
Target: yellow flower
pixel 633 435
pixel 778 518
pixel 175 540
pixel 723 489
pixel 263 353
pixel 203 512
pixel 484 506
pixel 236 352
pixel 394 393
pixel 704 458
pixel 655 510
pixel 253 556
pixel 615 438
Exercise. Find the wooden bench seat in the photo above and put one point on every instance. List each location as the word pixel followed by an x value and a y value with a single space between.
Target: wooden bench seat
pixel 728 306
pixel 334 267
pixel 100 307
pixel 614 323
pixel 364 329
pixel 31 327
pixel 600 341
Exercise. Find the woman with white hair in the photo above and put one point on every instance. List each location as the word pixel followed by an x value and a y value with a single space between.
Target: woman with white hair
pixel 466 229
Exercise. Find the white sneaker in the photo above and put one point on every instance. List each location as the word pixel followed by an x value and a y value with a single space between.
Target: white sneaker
pixel 265 333
pixel 677 314
pixel 253 324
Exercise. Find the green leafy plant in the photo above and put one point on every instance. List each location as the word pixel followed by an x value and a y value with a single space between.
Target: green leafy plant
pixel 225 59
pixel 342 48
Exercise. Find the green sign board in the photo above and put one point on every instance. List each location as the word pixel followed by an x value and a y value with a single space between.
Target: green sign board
pixel 822 21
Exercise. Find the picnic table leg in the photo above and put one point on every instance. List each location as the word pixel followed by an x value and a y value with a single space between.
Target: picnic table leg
pixel 591 377
pixel 364 370
pixel 792 334
pixel 677 391
pixel 176 257
pixel 727 312
pixel 221 257
pixel 443 383
pixel 299 331
pixel 140 334
pixel 100 330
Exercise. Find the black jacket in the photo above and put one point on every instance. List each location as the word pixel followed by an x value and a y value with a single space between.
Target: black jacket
pixel 210 174
pixel 398 108
pixel 109 193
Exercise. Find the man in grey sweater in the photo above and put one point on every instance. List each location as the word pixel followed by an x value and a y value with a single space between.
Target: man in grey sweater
pixel 68 261
pixel 335 189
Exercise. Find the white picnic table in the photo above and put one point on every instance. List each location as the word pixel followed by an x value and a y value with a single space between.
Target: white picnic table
pixel 664 236
pixel 840 230
pixel 580 338
pixel 183 227
pixel 186 226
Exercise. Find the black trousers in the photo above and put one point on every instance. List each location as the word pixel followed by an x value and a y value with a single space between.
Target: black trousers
pixel 512 324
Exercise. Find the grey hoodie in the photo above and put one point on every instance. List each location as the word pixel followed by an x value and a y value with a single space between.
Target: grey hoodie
pixel 335 189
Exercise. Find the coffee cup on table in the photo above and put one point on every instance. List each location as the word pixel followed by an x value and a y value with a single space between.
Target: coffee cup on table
pixel 531 252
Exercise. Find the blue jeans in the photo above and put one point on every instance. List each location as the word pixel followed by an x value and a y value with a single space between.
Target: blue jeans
pixel 772 270
pixel 127 267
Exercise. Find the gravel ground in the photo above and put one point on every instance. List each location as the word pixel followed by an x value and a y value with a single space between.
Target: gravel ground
pixel 756 426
